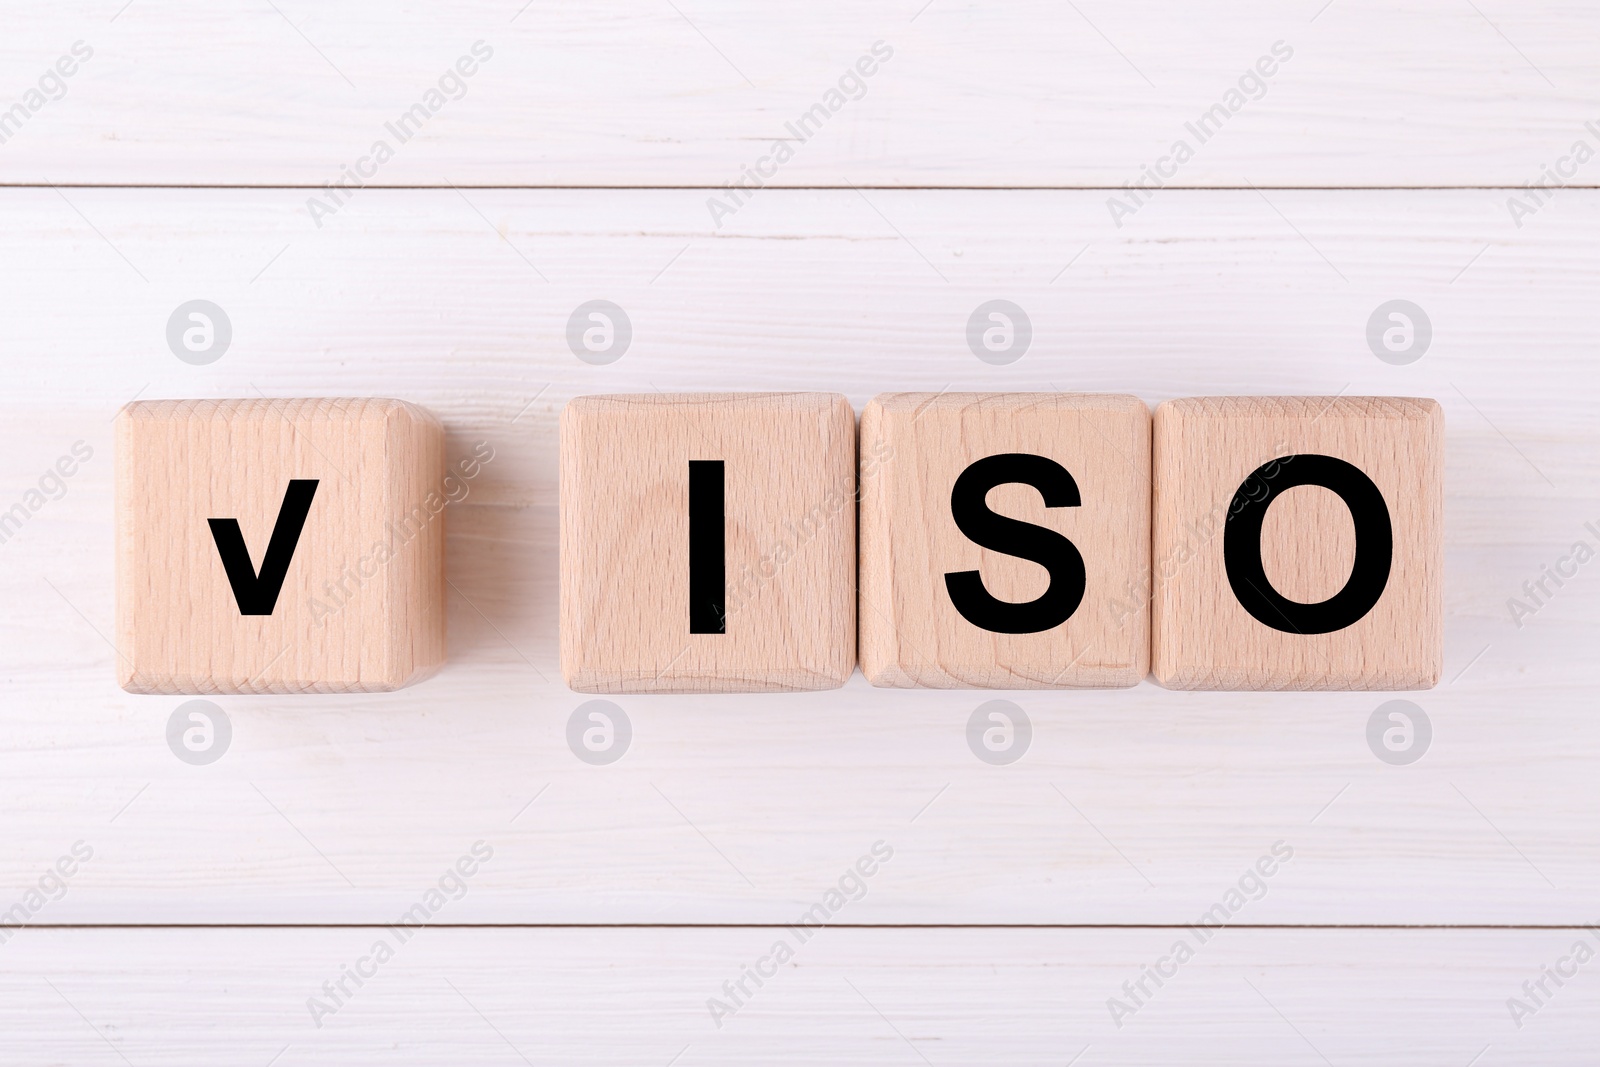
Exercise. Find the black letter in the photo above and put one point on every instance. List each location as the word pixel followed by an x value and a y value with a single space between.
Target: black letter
pixel 708 587
pixel 1241 545
pixel 1013 537
pixel 257 594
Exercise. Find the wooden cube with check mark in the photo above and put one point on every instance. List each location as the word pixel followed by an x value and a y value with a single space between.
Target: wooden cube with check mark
pixel 278 546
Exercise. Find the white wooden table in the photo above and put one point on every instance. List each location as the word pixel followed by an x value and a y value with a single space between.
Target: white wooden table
pixel 977 163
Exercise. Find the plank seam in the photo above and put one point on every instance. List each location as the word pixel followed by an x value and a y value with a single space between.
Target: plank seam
pixel 784 926
pixel 807 188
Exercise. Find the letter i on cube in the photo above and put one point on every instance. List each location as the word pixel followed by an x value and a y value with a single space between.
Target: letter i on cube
pixel 708 542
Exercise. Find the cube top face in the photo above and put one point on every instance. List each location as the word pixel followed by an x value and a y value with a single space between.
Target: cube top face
pixel 637 599
pixel 360 607
pixel 915 449
pixel 1324 514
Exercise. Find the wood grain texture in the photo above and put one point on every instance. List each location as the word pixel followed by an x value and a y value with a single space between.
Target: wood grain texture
pixel 1141 805
pixel 1028 93
pixel 1414 998
pixel 412 294
pixel 914 448
pixel 788 521
pixel 361 607
pixel 1211 450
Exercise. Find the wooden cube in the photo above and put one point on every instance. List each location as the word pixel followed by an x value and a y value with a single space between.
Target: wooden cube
pixel 708 542
pixel 1298 543
pixel 1005 540
pixel 278 546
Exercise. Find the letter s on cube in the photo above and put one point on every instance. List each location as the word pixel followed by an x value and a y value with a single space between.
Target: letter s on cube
pixel 1005 540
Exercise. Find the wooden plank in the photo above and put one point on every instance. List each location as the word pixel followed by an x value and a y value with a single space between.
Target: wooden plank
pixel 1130 806
pixel 1034 93
pixel 843 996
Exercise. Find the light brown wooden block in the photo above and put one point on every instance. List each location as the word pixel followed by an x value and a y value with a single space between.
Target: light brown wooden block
pixel 361 607
pixel 1213 456
pixel 914 448
pixel 788 523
